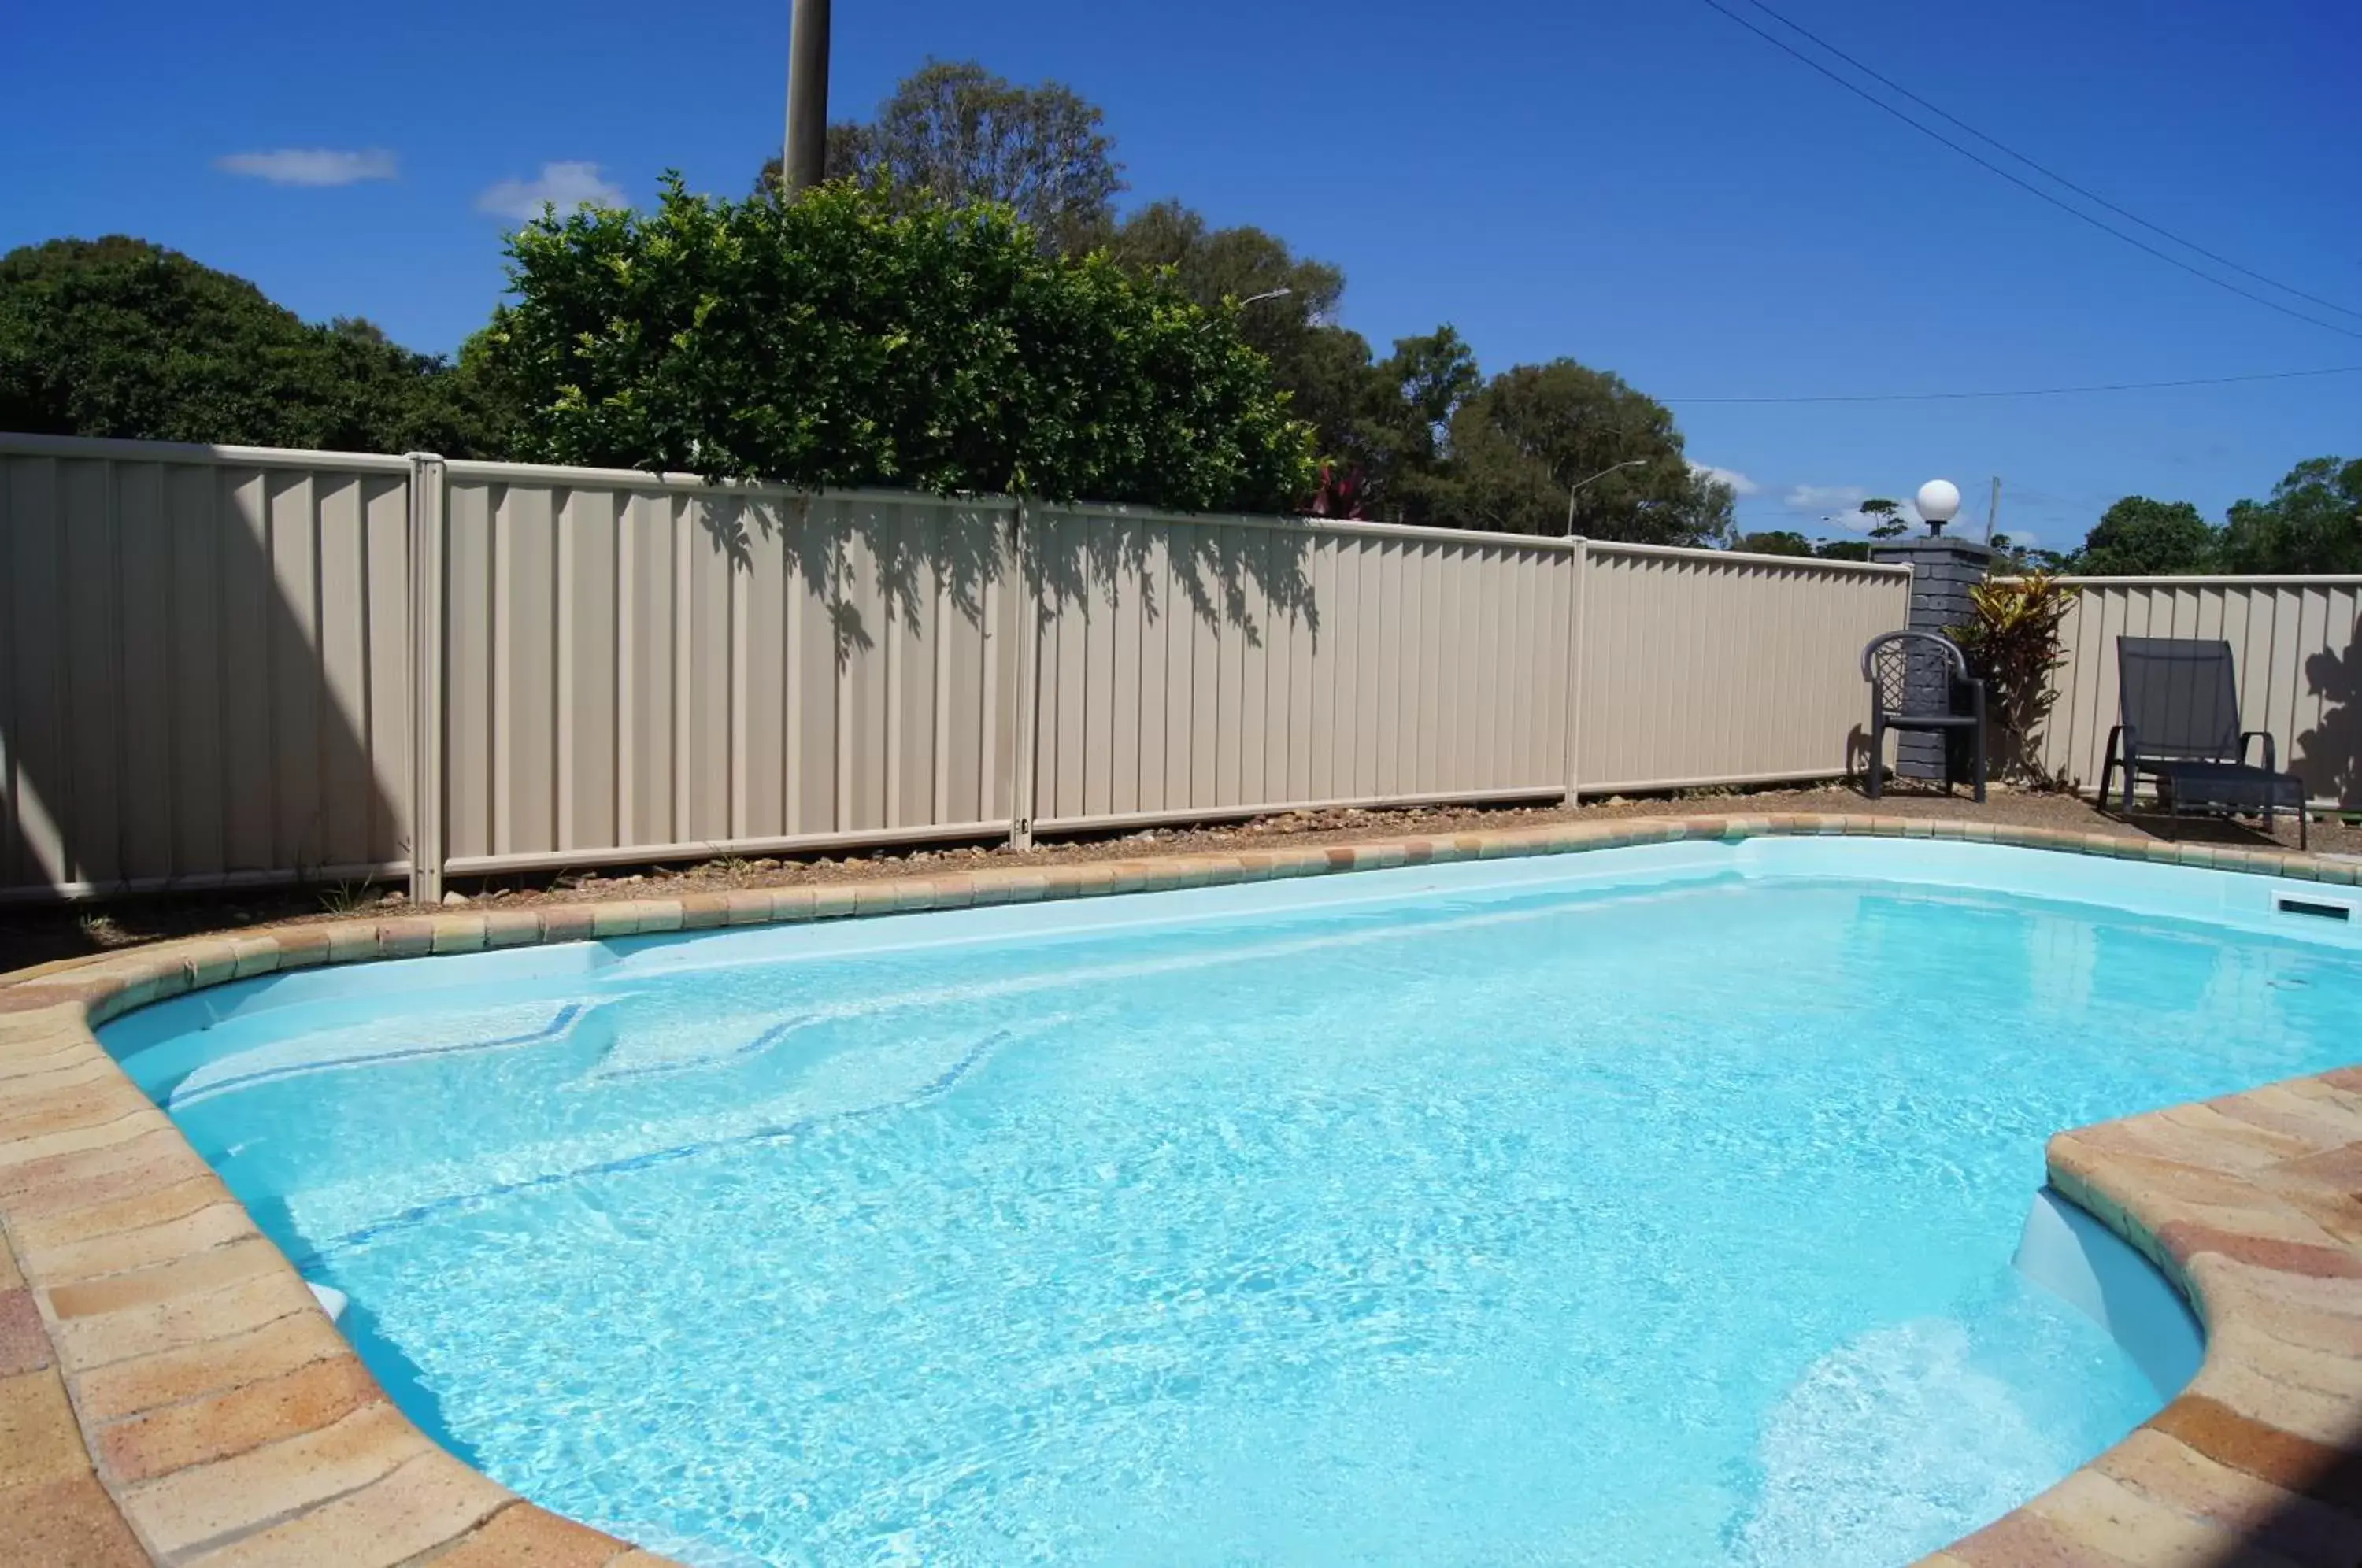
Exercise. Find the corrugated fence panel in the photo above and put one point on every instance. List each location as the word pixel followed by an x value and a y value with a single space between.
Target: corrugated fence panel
pixel 1200 666
pixel 645 668
pixel 2293 639
pixel 203 667
pixel 207 668
pixel 1701 666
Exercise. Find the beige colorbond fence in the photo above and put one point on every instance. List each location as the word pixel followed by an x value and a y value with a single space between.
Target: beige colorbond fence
pixel 216 661
pixel 641 670
pixel 1704 667
pixel 204 665
pixel 2293 639
pixel 1191 667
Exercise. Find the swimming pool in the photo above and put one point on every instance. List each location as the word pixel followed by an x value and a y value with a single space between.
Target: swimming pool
pixel 1647 1207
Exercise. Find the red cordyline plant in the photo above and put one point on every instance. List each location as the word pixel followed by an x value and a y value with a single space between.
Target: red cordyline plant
pixel 2012 643
pixel 1340 493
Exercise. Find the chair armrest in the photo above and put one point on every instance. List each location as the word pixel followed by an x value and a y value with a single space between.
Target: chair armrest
pixel 2271 755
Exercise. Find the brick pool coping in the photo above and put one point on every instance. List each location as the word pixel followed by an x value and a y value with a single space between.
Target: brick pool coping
pixel 169 1392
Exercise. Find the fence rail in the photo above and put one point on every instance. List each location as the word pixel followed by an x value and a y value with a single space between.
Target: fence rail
pixel 226 665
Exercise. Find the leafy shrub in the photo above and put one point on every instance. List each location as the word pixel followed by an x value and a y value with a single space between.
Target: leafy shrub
pixel 849 338
pixel 2012 645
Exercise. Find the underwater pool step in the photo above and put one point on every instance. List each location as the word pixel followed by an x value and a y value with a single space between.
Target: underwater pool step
pixel 2101 1274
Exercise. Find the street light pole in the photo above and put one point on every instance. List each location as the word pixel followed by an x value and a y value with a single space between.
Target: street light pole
pixel 805 160
pixel 1242 304
pixel 1627 463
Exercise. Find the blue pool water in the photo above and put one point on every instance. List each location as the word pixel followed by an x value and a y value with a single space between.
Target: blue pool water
pixel 1652 1208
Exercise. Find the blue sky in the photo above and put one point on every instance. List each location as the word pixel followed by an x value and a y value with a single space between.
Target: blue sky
pixel 1645 187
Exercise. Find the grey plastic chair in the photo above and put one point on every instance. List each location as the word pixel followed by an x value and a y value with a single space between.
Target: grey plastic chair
pixel 1920 681
pixel 2177 706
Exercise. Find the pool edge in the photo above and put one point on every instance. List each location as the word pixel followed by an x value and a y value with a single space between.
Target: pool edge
pixel 171 1389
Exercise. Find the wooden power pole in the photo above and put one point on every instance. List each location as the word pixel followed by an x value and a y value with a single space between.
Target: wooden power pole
pixel 805 161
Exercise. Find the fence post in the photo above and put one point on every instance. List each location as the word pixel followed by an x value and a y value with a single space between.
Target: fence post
pixel 427 523
pixel 1577 619
pixel 1025 615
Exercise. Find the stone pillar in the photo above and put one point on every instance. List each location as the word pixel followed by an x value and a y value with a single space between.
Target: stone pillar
pixel 1943 569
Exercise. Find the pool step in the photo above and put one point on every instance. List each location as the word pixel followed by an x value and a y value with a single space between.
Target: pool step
pixel 2098 1272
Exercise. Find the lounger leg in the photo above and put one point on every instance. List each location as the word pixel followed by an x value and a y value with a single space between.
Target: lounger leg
pixel 1877 755
pixel 1981 764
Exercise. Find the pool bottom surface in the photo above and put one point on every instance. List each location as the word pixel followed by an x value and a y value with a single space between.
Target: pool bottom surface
pixel 1515 1223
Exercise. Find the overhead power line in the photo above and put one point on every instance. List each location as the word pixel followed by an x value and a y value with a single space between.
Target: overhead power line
pixel 2046 173
pixel 2027 185
pixel 2034 391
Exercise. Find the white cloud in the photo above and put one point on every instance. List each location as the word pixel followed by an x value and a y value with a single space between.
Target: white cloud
pixel 311 165
pixel 1837 505
pixel 1740 485
pixel 565 185
pixel 1824 497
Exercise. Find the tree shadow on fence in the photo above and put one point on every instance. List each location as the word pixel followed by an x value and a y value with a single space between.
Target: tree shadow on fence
pixel 1226 574
pixel 905 549
pixel 204 669
pixel 187 693
pixel 1230 574
pixel 2329 754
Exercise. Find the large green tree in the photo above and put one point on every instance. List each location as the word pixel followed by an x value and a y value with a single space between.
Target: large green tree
pixel 1540 440
pixel 849 338
pixel 1287 306
pixel 1211 264
pixel 2312 523
pixel 1292 297
pixel 954 132
pixel 2141 537
pixel 1395 435
pixel 120 338
pixel 1379 424
pixel 1396 445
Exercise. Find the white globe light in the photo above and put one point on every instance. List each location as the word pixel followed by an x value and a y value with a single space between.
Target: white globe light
pixel 1939 500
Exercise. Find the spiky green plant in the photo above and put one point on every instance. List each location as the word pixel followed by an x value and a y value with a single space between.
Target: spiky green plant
pixel 2012 643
